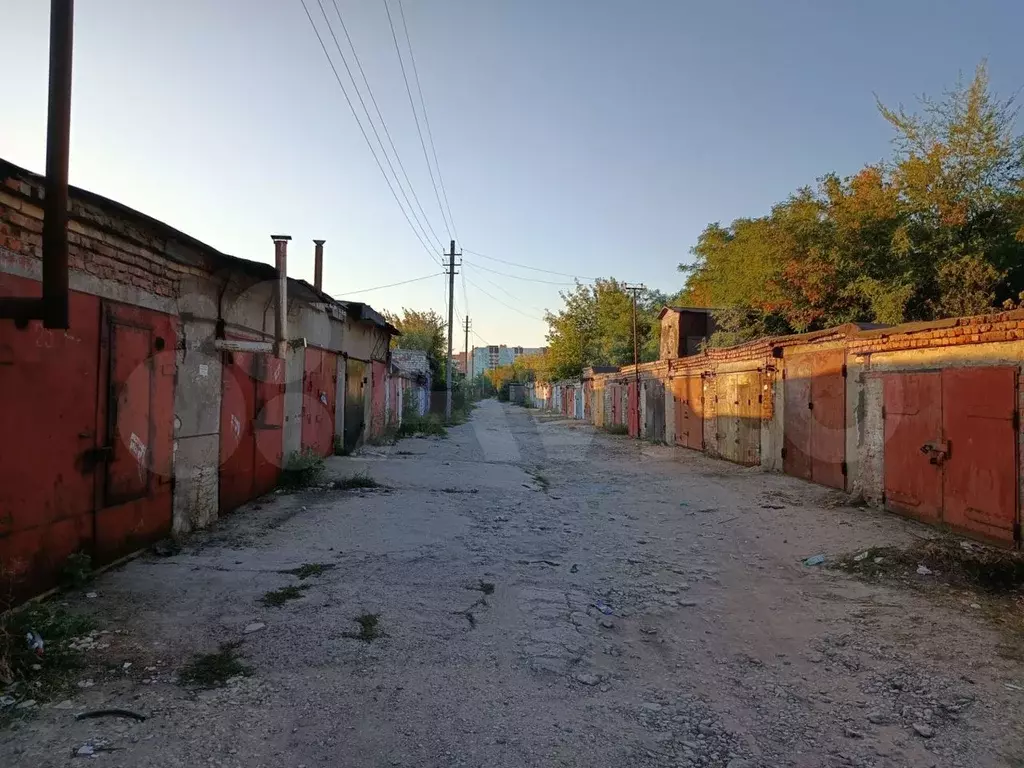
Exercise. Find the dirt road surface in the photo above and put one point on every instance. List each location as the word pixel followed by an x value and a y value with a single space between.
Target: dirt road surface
pixel 718 648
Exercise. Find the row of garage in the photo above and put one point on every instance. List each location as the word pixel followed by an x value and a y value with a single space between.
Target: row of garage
pixel 173 398
pixel 922 419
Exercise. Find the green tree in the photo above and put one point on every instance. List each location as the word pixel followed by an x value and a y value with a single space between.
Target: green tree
pixel 424 331
pixel 936 231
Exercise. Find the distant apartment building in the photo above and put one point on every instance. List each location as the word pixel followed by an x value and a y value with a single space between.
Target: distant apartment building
pixel 460 362
pixel 495 355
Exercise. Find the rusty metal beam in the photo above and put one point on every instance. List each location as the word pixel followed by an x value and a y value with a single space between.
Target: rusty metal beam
pixel 52 307
pixel 58 138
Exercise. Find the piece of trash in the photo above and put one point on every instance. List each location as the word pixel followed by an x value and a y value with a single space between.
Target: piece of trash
pixel 86 750
pixel 256 626
pixel 879 560
pixel 924 570
pixel 861 557
pixel 110 713
pixel 7 701
pixel 684 503
pixel 815 560
pixel 35 642
pixel 126 666
pixel 86 683
pixel 975 606
pixel 604 608
pixel 91 595
pixel 36 667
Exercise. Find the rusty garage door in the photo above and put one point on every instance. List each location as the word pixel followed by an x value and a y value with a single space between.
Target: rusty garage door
pixel 814 429
pixel 134 424
pixel 251 434
pixel 689 411
pixel 951 448
pixel 319 398
pixel 738 416
pixel 93 425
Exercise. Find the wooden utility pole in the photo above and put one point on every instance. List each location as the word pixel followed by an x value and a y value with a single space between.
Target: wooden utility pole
pixel 635 288
pixel 466 352
pixel 451 310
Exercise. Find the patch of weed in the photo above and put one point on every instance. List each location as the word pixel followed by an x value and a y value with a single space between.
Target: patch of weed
pixel 77 570
pixel 277 597
pixel 58 628
pixel 306 570
pixel 950 560
pixel 540 479
pixel 616 429
pixel 303 469
pixel 369 628
pixel 486 587
pixel 359 480
pixel 339 446
pixel 208 670
pixel 429 425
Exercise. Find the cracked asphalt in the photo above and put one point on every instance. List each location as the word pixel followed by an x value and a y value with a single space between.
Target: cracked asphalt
pixel 649 608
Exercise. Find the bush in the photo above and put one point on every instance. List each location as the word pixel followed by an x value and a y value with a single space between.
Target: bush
pixel 428 425
pixel 304 468
pixel 617 429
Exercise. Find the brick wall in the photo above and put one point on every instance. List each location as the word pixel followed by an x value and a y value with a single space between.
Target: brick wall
pixel 104 246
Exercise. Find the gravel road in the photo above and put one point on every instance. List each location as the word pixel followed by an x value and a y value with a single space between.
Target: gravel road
pixel 547 596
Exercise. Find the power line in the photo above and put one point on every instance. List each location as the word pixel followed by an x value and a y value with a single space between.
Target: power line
pixel 494 298
pixel 362 130
pixel 527 266
pixel 426 120
pixel 390 285
pixel 518 277
pixel 415 116
pixel 384 125
pixel 511 295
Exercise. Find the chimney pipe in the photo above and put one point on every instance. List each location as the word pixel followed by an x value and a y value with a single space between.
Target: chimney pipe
pixel 318 265
pixel 281 293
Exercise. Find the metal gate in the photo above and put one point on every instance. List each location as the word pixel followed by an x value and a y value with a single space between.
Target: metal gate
pixel 378 414
pixel 814 429
pixel 951 448
pixel 633 409
pixel 689 411
pixel 355 405
pixel 655 417
pixel 319 401
pixel 251 427
pixel 135 414
pixel 74 479
pixel 738 416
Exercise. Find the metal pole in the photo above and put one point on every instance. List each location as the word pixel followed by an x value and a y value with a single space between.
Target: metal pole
pixel 636 352
pixel 58 139
pixel 466 352
pixel 451 309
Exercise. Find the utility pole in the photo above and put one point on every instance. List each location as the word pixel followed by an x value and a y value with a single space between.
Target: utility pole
pixel 451 309
pixel 635 288
pixel 466 353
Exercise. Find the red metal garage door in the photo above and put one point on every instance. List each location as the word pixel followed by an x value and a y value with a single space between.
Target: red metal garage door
pixel 319 401
pixel 814 429
pixel 93 419
pixel 633 409
pixel 251 433
pixel 979 487
pixel 951 448
pixel 913 417
pixel 48 383
pixel 135 422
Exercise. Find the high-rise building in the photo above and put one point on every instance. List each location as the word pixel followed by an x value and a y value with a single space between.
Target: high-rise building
pixel 495 355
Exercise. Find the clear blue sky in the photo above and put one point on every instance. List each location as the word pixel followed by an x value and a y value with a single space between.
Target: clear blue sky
pixel 595 137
